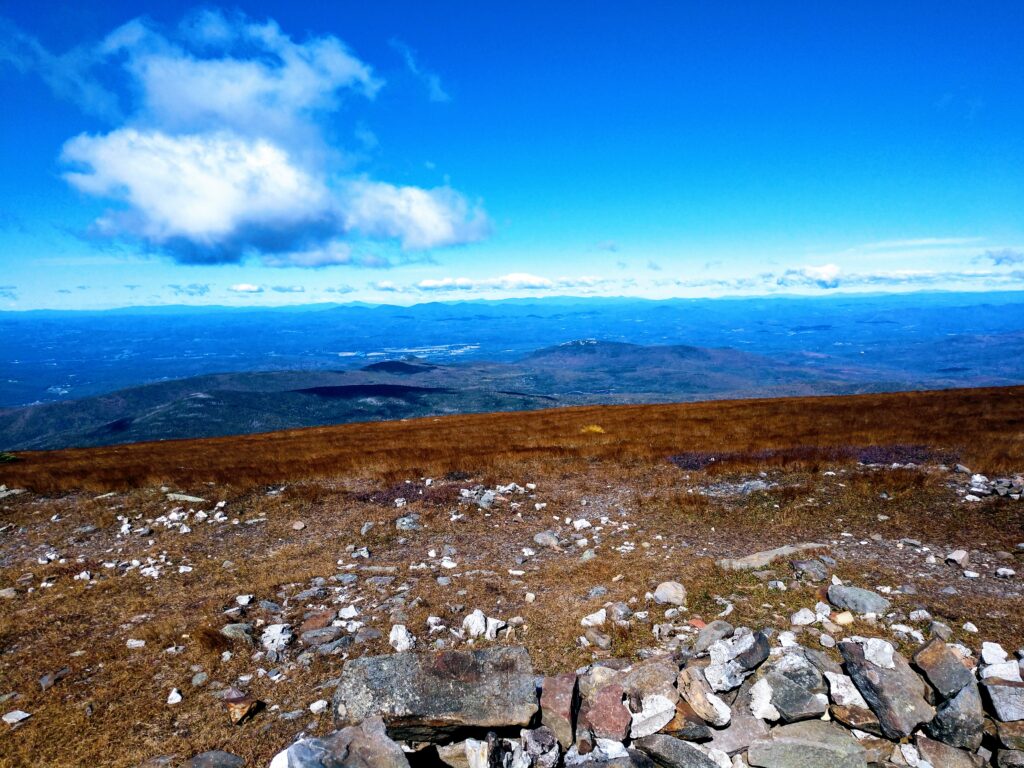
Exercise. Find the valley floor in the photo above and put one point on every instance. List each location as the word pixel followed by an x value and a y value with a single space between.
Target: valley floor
pixel 123 565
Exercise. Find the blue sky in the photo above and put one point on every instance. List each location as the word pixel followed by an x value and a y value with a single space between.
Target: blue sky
pixel 273 153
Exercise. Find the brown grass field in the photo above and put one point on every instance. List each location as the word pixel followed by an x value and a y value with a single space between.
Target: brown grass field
pixel 111 708
pixel 985 425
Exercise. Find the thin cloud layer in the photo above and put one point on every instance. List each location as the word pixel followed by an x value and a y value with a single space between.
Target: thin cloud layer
pixel 432 81
pixel 517 281
pixel 220 154
pixel 191 290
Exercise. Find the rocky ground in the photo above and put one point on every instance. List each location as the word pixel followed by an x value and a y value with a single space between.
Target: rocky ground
pixel 152 625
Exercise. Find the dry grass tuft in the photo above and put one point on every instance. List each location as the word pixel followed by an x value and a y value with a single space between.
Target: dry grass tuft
pixel 211 641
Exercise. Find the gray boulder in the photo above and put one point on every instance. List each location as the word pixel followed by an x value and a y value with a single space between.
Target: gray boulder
pixel 857 600
pixel 430 697
pixel 1007 698
pixel 798 690
pixel 541 746
pixel 711 633
pixel 364 746
pixel 942 755
pixel 942 668
pixel 808 744
pixel 960 722
pixel 669 752
pixel 895 695
pixel 743 728
pixel 216 759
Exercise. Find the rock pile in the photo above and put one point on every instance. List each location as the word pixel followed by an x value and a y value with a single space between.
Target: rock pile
pixel 735 697
pixel 980 486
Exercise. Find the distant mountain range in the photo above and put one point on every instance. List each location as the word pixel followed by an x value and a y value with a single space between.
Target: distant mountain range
pixel 574 373
pixel 921 339
pixel 93 378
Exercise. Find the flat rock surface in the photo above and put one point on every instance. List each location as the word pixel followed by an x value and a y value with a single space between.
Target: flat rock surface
pixel 422 697
pixel 809 744
pixel 896 695
pixel 669 752
pixel 766 557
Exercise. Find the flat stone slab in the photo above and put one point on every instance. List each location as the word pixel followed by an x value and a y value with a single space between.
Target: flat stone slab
pixel 857 600
pixel 808 744
pixel 942 755
pixel 895 695
pixel 761 559
pixel 216 759
pixel 943 669
pixel 669 752
pixel 1007 697
pixel 430 697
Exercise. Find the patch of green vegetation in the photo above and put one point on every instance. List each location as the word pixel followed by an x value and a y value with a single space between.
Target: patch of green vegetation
pixel 8 458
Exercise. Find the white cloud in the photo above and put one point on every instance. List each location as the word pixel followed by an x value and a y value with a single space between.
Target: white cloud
pixel 417 218
pixel 1004 257
pixel 271 92
pixel 224 154
pixel 245 288
pixel 824 276
pixel 192 289
pixel 207 197
pixel 516 281
pixel 288 289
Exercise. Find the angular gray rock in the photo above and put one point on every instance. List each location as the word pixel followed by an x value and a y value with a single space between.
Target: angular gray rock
pixel 761 559
pixel 942 755
pixel 669 752
pixel 743 729
pixel 808 744
pixel 960 721
pixel 363 746
pixel 541 746
pixel 429 697
pixel 798 688
pixel 735 658
pixel 1007 698
pixel 896 695
pixel 215 759
pixel 942 668
pixel 712 633
pixel 856 599
pixel 694 689
pixel 814 570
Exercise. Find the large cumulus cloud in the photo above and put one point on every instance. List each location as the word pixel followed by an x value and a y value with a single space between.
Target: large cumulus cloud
pixel 220 150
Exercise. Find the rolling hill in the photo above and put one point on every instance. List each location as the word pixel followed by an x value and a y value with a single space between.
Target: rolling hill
pixel 575 373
